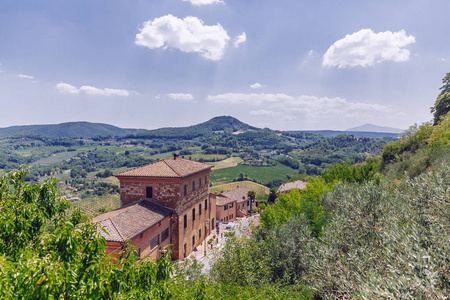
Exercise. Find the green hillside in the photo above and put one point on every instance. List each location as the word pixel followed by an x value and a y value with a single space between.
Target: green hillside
pixel 69 129
pixel 215 124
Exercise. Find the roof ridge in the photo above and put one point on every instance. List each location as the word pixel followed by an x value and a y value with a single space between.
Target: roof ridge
pixel 117 229
pixel 171 167
pixel 134 168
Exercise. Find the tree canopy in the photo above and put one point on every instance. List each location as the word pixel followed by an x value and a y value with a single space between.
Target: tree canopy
pixel 442 105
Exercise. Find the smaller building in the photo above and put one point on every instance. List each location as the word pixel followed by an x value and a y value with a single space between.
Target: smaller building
pixel 286 187
pixel 233 203
pixel 144 223
pixel 225 208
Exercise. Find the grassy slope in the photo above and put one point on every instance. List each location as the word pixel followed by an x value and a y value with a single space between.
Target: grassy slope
pixel 262 174
pixel 227 163
pixel 259 189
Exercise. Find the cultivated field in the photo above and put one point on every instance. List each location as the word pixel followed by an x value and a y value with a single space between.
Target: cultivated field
pixel 227 163
pixel 258 188
pixel 261 174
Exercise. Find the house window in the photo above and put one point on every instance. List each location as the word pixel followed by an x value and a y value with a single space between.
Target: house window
pixel 193 214
pixel 225 207
pixel 199 209
pixel 193 240
pixel 154 242
pixel 185 189
pixel 185 221
pixel 212 224
pixel 206 179
pixel 206 204
pixel 149 192
pixel 193 185
pixel 200 233
pixel 164 234
pixel 248 203
pixel 200 182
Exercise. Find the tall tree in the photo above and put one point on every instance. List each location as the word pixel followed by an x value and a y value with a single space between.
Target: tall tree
pixel 252 196
pixel 442 105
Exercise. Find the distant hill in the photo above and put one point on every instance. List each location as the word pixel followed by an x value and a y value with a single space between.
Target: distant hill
pixel 356 134
pixel 70 129
pixel 215 124
pixel 375 128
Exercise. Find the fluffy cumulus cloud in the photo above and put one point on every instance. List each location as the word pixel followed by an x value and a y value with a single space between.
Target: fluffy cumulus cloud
pixel 203 2
pixel 366 48
pixel 240 39
pixel 181 96
pixel 256 85
pixel 65 88
pixel 187 35
pixel 289 108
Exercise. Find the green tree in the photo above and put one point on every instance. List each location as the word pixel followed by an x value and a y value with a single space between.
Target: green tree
pixel 442 105
pixel 252 196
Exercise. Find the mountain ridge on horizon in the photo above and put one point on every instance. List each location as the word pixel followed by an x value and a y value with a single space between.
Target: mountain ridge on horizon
pixel 84 129
pixel 375 128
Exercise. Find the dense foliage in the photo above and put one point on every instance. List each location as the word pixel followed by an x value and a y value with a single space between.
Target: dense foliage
pixel 47 254
pixel 379 241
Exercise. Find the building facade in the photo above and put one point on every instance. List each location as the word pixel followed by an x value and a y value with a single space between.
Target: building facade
pixel 180 185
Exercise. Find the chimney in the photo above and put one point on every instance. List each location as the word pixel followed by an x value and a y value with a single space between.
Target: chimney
pixel 201 160
pixel 175 156
pixel 237 186
pixel 182 156
pixel 190 158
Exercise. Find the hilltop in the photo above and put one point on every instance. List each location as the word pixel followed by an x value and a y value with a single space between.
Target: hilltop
pixel 222 123
pixel 69 129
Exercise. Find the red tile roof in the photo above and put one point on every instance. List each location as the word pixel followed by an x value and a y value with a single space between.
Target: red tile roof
pixel 128 221
pixel 178 167
pixel 292 185
pixel 239 194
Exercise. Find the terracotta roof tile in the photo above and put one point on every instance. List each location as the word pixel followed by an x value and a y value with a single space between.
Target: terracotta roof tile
pixel 222 200
pixel 128 221
pixel 292 185
pixel 179 167
pixel 238 194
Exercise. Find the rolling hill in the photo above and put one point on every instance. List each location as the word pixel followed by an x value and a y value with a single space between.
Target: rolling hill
pixel 215 124
pixel 70 129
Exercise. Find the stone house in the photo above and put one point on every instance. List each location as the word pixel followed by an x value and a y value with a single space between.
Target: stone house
pixel 233 203
pixel 178 185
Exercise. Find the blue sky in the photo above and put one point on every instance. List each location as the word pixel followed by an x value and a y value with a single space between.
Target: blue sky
pixel 285 64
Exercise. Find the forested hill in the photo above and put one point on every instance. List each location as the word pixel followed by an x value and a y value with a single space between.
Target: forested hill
pixel 222 123
pixel 70 129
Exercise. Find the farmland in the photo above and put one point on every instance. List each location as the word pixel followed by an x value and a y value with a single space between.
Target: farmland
pixel 261 174
pixel 258 188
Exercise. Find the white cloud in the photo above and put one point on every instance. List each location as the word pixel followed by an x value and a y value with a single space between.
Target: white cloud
pixel 443 59
pixel 180 96
pixel 65 88
pixel 187 35
pixel 240 39
pixel 256 86
pixel 315 109
pixel 365 48
pixel 25 76
pixel 203 2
